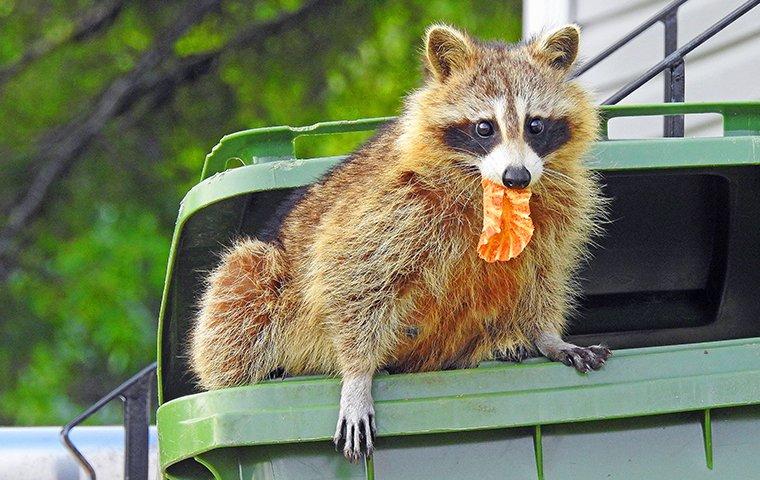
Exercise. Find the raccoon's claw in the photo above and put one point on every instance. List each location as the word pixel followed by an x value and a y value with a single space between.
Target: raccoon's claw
pixel 518 355
pixel 585 359
pixel 356 433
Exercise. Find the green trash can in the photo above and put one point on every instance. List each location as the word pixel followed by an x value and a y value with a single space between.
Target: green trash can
pixel 672 287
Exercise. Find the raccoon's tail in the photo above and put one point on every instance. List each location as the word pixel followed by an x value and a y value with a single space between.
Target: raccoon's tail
pixel 233 342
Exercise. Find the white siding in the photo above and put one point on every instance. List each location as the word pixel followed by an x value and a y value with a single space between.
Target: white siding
pixel 726 67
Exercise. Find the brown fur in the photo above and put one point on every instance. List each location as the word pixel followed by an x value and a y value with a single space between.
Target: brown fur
pixel 376 267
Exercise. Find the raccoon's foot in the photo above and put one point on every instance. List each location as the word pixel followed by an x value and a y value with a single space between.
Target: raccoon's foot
pixel 356 421
pixel 583 359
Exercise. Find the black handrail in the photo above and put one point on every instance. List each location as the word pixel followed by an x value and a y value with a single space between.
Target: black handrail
pixel 672 64
pixel 669 9
pixel 676 57
pixel 675 77
pixel 135 394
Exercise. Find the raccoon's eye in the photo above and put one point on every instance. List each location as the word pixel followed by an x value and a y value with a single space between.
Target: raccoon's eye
pixel 536 126
pixel 484 128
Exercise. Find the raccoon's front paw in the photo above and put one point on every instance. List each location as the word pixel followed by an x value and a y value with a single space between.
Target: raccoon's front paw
pixel 356 430
pixel 584 358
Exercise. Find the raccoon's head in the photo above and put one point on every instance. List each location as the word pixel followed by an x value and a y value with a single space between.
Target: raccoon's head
pixel 508 111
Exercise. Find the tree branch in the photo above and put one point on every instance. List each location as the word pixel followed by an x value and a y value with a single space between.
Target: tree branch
pixel 102 15
pixel 150 78
pixel 58 150
pixel 190 68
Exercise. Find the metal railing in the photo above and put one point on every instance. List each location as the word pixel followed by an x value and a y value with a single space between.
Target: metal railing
pixel 675 79
pixel 672 64
pixel 136 392
pixel 136 395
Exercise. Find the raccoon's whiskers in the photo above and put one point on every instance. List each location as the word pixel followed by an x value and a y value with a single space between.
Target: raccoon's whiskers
pixel 468 189
pixel 471 189
pixel 457 149
pixel 556 177
pixel 559 174
pixel 476 141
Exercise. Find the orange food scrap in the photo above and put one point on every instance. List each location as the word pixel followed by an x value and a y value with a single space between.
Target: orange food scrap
pixel 507 227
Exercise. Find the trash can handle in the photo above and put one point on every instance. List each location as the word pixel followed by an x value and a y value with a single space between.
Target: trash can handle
pixel 739 118
pixel 264 144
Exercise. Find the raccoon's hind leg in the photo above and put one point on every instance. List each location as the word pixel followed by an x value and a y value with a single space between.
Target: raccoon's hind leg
pixel 233 342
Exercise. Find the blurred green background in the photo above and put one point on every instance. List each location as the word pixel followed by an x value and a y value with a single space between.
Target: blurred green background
pixel 107 109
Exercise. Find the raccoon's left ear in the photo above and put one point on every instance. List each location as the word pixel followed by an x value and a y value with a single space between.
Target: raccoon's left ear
pixel 447 50
pixel 559 48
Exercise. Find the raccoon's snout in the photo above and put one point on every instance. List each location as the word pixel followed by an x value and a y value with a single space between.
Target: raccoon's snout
pixel 512 166
pixel 516 177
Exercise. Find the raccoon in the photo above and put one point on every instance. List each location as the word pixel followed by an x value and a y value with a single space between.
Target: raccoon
pixel 374 266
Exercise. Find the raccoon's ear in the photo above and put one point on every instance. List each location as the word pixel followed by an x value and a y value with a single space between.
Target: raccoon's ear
pixel 446 51
pixel 559 48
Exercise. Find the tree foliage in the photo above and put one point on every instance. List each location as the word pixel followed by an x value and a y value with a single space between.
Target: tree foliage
pixel 107 110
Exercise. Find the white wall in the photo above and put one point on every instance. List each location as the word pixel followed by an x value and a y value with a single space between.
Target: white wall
pixel 726 67
pixel 36 453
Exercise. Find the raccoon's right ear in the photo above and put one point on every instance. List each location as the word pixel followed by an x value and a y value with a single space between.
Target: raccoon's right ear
pixel 447 50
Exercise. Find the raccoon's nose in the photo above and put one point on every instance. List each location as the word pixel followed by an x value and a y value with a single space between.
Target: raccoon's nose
pixel 516 177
